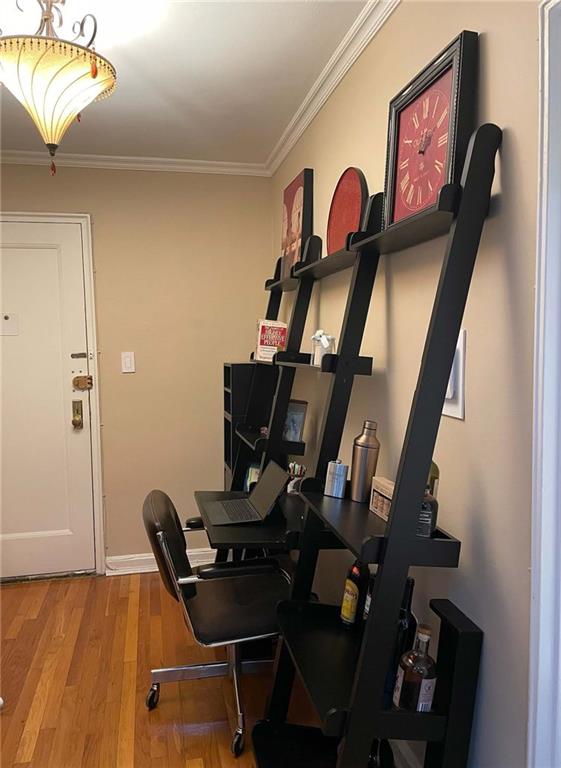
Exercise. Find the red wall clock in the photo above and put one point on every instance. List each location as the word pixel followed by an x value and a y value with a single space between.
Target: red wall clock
pixel 347 208
pixel 431 121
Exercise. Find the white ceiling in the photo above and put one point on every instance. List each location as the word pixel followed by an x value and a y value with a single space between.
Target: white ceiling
pixel 211 81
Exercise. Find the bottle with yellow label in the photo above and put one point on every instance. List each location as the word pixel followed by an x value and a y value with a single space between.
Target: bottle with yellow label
pixel 354 594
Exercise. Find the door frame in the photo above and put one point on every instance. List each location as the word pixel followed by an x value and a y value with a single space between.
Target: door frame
pixel 85 223
pixel 544 714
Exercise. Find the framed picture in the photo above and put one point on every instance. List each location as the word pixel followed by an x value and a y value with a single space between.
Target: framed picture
pixel 294 422
pixel 347 208
pixel 430 124
pixel 297 219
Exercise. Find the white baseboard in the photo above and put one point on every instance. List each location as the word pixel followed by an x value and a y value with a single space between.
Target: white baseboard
pixel 121 565
pixel 406 757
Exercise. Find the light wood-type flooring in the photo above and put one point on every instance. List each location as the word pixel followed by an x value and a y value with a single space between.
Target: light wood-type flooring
pixel 76 660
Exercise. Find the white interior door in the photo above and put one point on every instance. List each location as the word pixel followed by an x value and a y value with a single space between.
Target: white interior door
pixel 47 520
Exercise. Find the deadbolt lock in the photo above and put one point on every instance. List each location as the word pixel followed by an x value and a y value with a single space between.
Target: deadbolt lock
pixel 82 383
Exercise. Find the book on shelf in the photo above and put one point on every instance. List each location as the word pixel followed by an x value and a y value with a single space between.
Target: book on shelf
pixel 271 338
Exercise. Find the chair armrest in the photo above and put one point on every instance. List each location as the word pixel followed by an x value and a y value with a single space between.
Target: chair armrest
pixel 241 568
pixel 193 524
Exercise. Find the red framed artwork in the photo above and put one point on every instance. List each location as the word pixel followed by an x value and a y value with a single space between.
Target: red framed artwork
pixel 430 124
pixel 297 219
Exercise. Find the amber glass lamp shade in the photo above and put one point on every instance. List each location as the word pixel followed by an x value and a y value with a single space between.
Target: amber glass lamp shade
pixel 54 80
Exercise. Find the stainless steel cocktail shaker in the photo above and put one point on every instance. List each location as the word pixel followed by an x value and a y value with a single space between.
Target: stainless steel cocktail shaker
pixel 366 448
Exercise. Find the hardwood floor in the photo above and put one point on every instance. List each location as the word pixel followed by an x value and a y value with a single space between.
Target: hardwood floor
pixel 76 660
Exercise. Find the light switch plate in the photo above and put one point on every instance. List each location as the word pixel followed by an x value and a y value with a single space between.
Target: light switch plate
pixel 127 362
pixel 454 404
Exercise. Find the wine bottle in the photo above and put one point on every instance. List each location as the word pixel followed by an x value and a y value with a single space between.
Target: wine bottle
pixel 354 594
pixel 405 639
pixel 416 676
pixel 433 479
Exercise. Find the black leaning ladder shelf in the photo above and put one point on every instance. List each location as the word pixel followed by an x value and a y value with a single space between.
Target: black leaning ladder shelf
pixel 344 672
pixel 272 382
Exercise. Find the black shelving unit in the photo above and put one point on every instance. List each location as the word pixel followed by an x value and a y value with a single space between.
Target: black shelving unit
pixel 271 387
pixel 343 671
pixel 237 382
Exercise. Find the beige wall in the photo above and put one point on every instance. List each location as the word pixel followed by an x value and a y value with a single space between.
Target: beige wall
pixel 485 460
pixel 180 262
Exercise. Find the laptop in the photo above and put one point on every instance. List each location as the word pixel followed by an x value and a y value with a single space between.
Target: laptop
pixel 255 507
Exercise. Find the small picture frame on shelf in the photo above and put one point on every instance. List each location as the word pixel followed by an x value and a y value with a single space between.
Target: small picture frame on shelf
pixel 294 422
pixel 297 219
pixel 430 124
pixel 251 477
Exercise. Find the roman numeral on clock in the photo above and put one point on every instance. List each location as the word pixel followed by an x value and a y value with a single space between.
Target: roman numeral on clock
pixel 426 107
pixel 438 165
pixel 415 120
pixel 441 118
pixel 404 163
pixel 443 140
pixel 409 197
pixel 404 182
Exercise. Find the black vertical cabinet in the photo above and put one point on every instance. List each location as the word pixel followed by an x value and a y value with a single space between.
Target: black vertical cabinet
pixel 344 671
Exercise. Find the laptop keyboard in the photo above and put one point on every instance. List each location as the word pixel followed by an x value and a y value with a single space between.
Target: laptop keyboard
pixel 238 510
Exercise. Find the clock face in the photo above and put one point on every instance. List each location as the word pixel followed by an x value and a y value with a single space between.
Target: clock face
pixel 423 141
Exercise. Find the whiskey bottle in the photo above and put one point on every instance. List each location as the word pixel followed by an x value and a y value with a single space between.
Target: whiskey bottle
pixel 354 595
pixel 416 676
pixel 426 520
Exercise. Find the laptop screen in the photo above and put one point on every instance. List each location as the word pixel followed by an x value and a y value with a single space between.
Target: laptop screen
pixel 268 488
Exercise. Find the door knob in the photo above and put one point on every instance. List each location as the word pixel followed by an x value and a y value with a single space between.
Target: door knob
pixel 77 414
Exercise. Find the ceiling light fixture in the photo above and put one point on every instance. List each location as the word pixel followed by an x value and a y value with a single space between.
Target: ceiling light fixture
pixel 55 79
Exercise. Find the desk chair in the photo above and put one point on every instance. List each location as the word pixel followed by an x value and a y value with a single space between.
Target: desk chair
pixel 223 603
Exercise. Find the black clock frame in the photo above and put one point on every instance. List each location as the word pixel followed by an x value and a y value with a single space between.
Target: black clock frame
pixel 462 55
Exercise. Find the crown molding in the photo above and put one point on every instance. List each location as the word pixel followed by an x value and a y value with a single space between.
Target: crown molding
pixel 115 162
pixel 363 30
pixel 365 27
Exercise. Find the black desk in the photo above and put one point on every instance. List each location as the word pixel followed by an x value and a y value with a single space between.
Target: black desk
pixel 280 534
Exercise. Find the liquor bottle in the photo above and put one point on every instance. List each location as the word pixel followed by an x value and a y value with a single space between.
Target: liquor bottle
pixel 416 676
pixel 406 632
pixel 426 521
pixel 433 479
pixel 354 595
pixel 368 598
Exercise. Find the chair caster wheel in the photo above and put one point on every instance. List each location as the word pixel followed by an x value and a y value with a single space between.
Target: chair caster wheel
pixel 153 696
pixel 237 743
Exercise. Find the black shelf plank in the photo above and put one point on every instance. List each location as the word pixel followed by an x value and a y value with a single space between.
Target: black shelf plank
pixel 364 533
pixel 318 642
pixel 227 416
pixel 284 285
pixel 292 746
pixel 359 366
pixel 325 653
pixel 416 229
pixel 258 443
pixel 329 265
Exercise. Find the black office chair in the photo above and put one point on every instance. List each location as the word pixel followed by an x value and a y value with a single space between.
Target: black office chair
pixel 223 603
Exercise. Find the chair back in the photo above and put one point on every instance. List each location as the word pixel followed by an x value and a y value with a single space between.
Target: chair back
pixel 167 541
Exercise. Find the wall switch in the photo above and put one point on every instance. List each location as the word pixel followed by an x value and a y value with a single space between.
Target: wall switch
pixel 454 404
pixel 127 362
